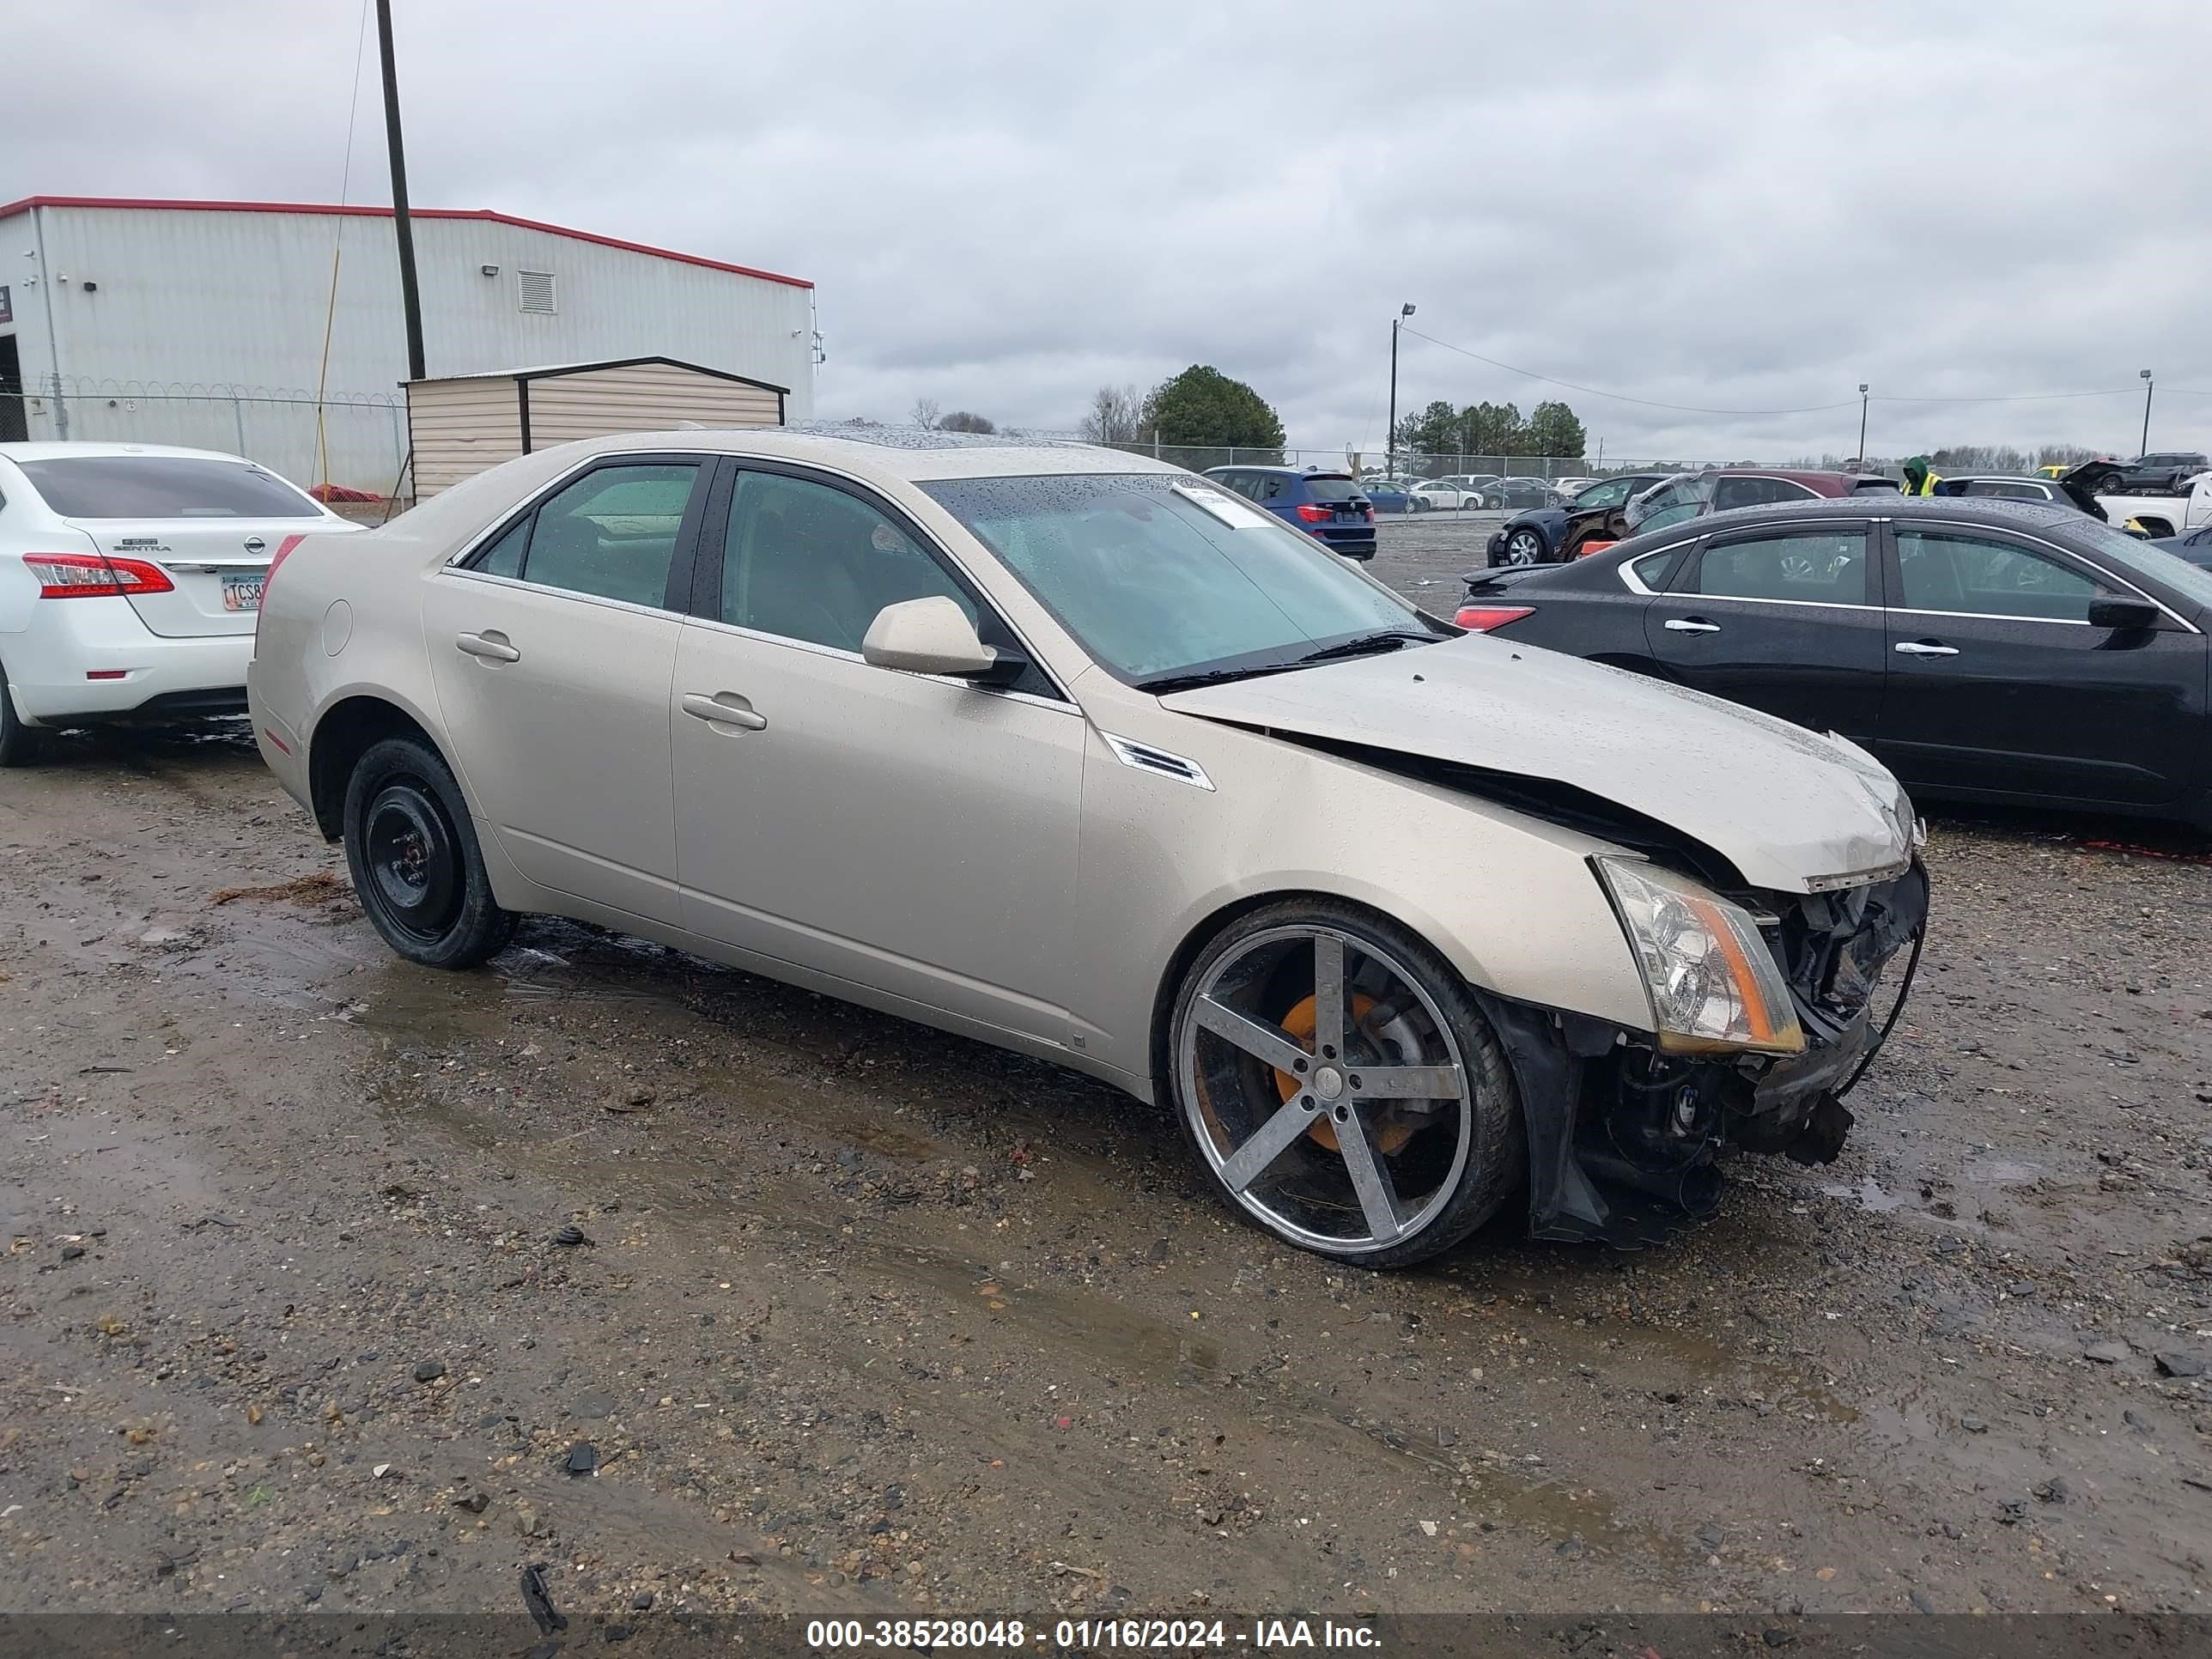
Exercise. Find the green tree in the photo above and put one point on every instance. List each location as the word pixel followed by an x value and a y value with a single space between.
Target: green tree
pixel 1553 430
pixel 1203 408
pixel 1434 431
pixel 1490 430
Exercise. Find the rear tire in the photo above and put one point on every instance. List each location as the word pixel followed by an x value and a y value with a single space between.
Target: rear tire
pixel 19 745
pixel 412 851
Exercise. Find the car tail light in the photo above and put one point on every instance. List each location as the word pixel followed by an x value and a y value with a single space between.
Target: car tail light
pixel 284 551
pixel 1314 513
pixel 94 576
pixel 1489 618
pixel 1370 515
pixel 1589 548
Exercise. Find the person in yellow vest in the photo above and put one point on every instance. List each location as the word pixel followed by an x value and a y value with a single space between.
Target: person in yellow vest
pixel 1918 479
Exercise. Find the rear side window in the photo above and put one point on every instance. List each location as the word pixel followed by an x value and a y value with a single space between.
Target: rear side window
pixel 1824 567
pixel 1756 492
pixel 2009 490
pixel 164 487
pixel 1325 488
pixel 611 533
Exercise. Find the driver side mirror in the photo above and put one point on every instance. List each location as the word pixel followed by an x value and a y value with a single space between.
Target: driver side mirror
pixel 2122 615
pixel 934 636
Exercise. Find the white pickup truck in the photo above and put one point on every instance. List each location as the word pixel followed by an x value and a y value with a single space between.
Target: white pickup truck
pixel 2160 516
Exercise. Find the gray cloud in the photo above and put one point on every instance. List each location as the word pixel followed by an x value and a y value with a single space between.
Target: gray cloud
pixel 1728 206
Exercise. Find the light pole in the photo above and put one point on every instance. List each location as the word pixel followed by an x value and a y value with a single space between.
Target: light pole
pixel 2145 372
pixel 1863 403
pixel 410 303
pixel 1390 438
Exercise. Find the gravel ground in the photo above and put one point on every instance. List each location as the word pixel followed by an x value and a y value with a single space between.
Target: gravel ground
pixel 852 1315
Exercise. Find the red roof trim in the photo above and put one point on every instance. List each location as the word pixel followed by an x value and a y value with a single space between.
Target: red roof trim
pixel 485 214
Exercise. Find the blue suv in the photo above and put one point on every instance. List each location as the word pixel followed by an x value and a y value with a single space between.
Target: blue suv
pixel 1330 507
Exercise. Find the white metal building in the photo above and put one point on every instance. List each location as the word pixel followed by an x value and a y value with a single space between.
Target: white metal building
pixel 203 322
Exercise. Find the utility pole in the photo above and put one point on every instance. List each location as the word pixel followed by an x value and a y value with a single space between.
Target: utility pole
pixel 410 299
pixel 1390 440
pixel 1862 406
pixel 2145 450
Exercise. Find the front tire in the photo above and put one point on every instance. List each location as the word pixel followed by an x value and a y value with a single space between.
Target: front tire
pixel 1526 546
pixel 412 851
pixel 1343 1087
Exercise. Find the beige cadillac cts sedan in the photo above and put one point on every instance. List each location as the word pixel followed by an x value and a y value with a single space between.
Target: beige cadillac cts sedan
pixel 1078 754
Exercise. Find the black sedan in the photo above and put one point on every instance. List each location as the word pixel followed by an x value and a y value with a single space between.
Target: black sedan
pixel 1984 650
pixel 1542 535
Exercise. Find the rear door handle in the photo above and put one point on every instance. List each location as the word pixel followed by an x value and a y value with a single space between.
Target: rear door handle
pixel 724 709
pixel 491 645
pixel 1690 625
pixel 1925 648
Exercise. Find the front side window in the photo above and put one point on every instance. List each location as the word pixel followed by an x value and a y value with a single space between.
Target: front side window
pixel 611 533
pixel 1669 503
pixel 164 487
pixel 1159 576
pixel 803 561
pixel 1612 492
pixel 1976 575
pixel 1825 566
pixel 1756 492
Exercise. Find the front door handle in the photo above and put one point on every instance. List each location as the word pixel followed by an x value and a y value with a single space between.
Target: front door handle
pixel 724 709
pixel 1925 648
pixel 1691 625
pixel 491 645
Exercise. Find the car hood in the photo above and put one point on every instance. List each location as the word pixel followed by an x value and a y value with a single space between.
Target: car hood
pixel 1791 809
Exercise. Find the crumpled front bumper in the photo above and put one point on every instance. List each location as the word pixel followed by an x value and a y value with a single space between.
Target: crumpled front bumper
pixel 1622 1141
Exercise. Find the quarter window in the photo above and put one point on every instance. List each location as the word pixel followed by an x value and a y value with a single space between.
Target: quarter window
pixel 1979 576
pixel 1814 568
pixel 803 561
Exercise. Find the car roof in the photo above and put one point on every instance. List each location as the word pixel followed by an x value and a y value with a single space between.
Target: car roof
pixel 77 449
pixel 2040 518
pixel 916 455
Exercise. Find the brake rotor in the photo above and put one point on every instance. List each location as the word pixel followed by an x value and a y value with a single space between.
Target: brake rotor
pixel 1300 1022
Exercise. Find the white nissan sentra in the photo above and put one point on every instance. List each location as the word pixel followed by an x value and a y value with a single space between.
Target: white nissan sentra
pixel 1079 754
pixel 130 574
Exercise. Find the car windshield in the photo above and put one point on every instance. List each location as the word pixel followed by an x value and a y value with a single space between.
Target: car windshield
pixel 2139 558
pixel 163 487
pixel 1164 578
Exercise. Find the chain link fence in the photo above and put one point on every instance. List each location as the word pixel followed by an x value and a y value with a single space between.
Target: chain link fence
pixel 1407 464
pixel 353 438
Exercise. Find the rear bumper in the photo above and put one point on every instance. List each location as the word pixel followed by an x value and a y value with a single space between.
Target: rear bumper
pixel 49 664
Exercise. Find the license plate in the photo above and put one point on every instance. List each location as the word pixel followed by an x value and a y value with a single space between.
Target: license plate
pixel 241 592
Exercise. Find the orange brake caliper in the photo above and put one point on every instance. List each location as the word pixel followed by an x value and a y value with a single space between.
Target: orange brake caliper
pixel 1299 1023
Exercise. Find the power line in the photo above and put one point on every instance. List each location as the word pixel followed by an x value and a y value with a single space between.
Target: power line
pixel 1810 409
pixel 1622 396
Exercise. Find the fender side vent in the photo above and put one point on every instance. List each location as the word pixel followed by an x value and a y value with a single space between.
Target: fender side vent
pixel 1145 759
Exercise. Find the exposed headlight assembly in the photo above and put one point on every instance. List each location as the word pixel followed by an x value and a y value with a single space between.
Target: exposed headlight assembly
pixel 1714 984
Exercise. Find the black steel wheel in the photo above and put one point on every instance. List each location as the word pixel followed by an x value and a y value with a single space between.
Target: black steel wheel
pixel 1342 1085
pixel 415 861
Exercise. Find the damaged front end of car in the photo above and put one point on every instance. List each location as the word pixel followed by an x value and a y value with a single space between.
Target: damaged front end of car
pixel 1759 1040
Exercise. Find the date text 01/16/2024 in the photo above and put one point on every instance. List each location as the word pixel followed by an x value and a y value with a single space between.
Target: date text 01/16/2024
pixel 1159 1634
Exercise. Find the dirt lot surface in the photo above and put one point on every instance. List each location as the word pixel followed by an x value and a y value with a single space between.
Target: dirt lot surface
pixel 855 1316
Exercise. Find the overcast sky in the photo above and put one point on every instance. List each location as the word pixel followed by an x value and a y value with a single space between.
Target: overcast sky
pixel 1735 207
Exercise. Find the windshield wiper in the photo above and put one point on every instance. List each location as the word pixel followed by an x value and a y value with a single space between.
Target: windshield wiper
pixel 1389 640
pixel 1367 644
pixel 1167 683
